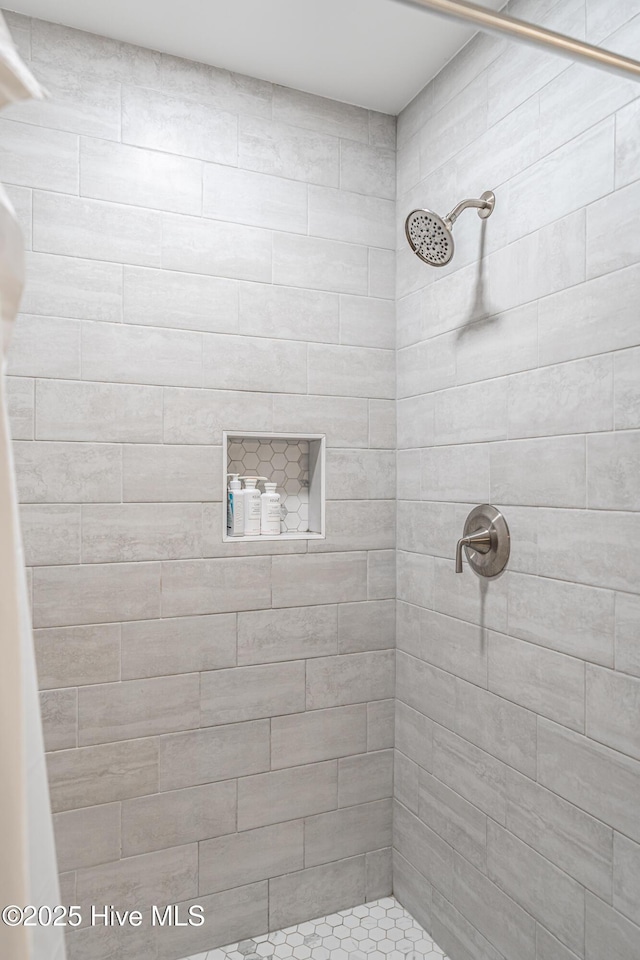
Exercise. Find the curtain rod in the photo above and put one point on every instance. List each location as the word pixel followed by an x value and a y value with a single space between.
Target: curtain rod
pixel 494 22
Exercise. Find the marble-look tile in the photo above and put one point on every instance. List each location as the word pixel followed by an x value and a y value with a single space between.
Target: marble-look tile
pixel 589 318
pixel 592 547
pixel 50 533
pixel 252 692
pixel 190 301
pixel 498 918
pixel 613 462
pixel 125 174
pixel 627 633
pixel 60 472
pixel 288 312
pixel 380 725
pixel 266 636
pixel 626 876
pixel 319 578
pixel 550 684
pixel 627 389
pixel 67 472
pixel 109 712
pixel 178 645
pixel 95 593
pixel 163 122
pixel 368 169
pixel 285 795
pixel 352 217
pixel 594 777
pixel 608 931
pixel 200 416
pixel 78 102
pixel 351 678
pixel 215 248
pixel 170 473
pixel 214 86
pixel 59 712
pixel 215 586
pixel 72 287
pixel 365 778
pixel 368 625
pixel 320 264
pixel 39 158
pixel 318 735
pixel 321 114
pixel 75 656
pixel 250 855
pixel 568 617
pixel 87 837
pixel 217 753
pixel 317 889
pixel 351 371
pixel 612 214
pixel 96 230
pixel 102 774
pixel 347 832
pixel 122 353
pixel 103 412
pixel 254 363
pixel 171 875
pixel 367 322
pixel 88 53
pixel 576 842
pixel 45 347
pixel 582 393
pixel 612 704
pixel 283 150
pixel 357 525
pixel 627 152
pixel 243 196
pixel 178 817
pixel 360 474
pixel 544 891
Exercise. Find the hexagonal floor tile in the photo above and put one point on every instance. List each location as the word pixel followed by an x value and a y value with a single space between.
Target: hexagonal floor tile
pixel 381 930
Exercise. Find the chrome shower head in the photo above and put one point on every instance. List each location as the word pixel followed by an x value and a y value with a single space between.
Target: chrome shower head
pixel 430 236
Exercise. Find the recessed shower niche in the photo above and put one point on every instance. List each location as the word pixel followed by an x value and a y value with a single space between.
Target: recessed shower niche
pixel 296 464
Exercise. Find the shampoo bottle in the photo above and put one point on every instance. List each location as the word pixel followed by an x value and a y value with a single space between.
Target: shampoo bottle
pixel 235 507
pixel 270 511
pixel 251 496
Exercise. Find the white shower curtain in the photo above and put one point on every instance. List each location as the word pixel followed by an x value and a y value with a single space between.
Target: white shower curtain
pixel 28 871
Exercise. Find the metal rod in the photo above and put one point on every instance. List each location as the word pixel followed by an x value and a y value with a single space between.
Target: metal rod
pixel 493 22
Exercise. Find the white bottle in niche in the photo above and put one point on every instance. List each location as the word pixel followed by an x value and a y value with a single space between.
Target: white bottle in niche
pixel 252 501
pixel 270 511
pixel 235 507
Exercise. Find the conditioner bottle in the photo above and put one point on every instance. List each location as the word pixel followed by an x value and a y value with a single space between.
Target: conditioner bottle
pixel 270 512
pixel 252 502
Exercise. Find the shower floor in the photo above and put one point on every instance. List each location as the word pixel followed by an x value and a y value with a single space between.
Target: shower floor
pixel 380 930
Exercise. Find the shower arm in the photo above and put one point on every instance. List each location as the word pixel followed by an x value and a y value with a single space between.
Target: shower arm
pixel 494 22
pixel 484 206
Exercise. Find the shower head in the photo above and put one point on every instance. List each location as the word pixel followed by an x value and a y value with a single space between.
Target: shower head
pixel 430 236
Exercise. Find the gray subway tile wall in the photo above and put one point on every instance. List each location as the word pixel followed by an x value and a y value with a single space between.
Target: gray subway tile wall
pixel 192 269
pixel 517 754
pixel 208 251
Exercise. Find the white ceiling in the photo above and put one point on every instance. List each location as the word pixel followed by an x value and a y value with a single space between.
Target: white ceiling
pixel 374 53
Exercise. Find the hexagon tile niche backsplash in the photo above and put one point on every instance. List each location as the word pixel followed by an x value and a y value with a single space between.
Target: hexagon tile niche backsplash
pixel 285 462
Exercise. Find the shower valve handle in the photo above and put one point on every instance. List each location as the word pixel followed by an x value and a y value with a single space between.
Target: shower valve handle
pixel 486 539
pixel 480 541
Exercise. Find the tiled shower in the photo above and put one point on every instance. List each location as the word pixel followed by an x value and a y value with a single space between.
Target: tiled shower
pixel 317 728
